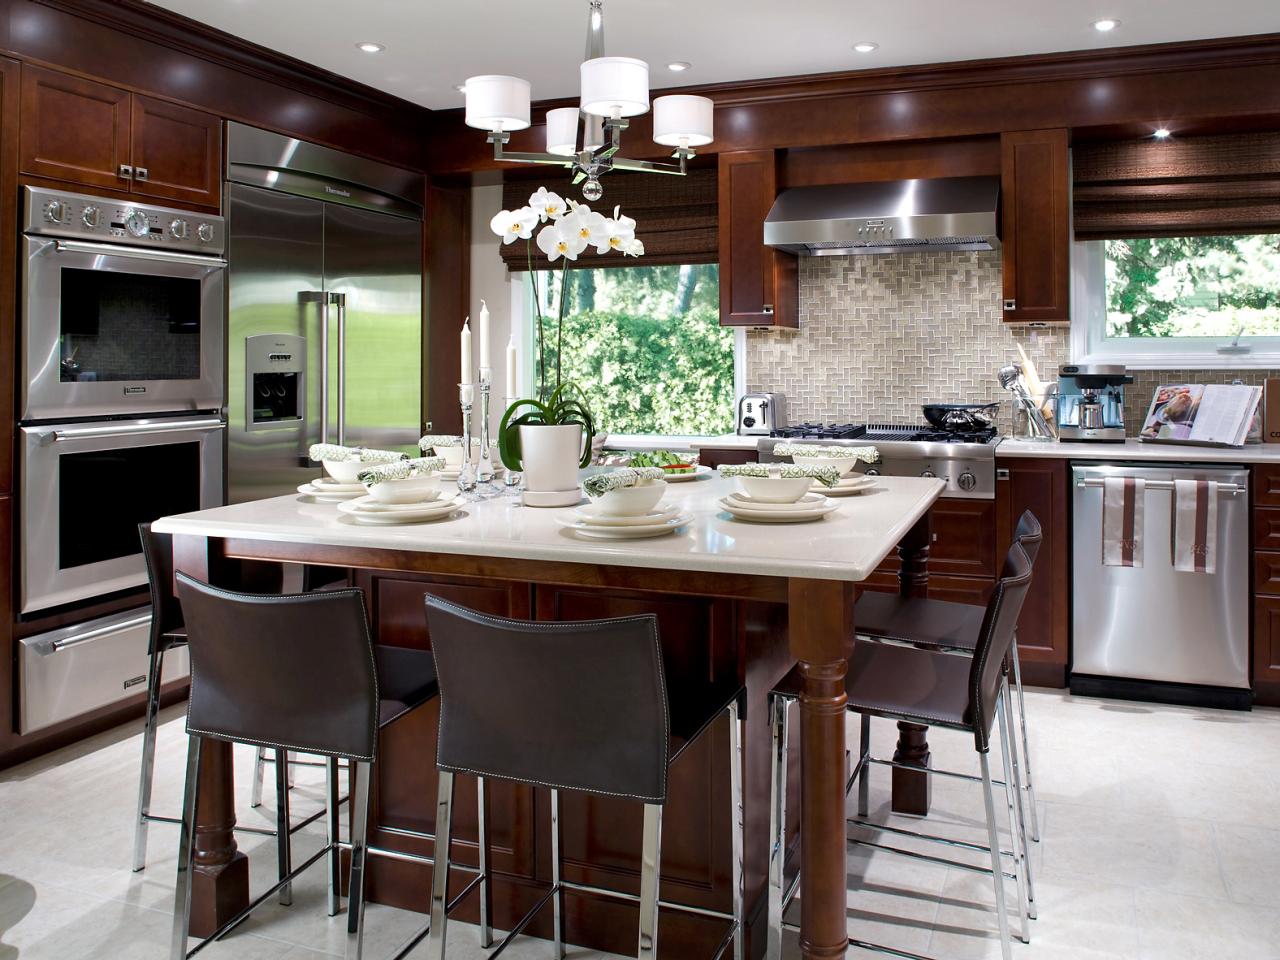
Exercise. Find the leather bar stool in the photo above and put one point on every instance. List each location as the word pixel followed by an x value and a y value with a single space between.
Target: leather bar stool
pixel 168 631
pixel 294 672
pixel 952 627
pixel 579 706
pixel 933 688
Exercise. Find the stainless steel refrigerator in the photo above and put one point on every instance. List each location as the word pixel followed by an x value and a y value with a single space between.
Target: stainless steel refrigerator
pixel 324 308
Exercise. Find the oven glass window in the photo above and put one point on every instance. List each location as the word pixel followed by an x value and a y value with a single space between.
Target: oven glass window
pixel 104 494
pixel 129 326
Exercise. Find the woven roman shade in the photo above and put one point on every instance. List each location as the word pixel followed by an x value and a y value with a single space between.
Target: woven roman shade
pixel 676 217
pixel 1179 186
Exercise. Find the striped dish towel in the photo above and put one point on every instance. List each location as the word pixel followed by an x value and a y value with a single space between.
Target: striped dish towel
pixel 1123 499
pixel 1193 527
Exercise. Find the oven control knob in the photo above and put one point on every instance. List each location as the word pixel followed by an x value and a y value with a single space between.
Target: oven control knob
pixel 137 224
pixel 91 217
pixel 967 481
pixel 55 211
pixel 872 472
pixel 205 232
pixel 178 229
pixel 928 473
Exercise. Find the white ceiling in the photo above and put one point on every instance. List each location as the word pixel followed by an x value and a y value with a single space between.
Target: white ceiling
pixel 431 45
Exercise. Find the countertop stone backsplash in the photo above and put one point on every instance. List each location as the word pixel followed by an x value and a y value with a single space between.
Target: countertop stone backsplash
pixel 881 334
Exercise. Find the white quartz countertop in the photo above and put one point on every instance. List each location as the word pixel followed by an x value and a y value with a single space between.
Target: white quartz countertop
pixel 848 544
pixel 1133 449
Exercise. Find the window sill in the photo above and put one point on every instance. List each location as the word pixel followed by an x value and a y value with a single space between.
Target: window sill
pixel 1185 360
pixel 654 441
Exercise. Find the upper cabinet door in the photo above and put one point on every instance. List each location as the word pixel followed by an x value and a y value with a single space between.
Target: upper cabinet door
pixel 1035 183
pixel 177 152
pixel 759 286
pixel 73 129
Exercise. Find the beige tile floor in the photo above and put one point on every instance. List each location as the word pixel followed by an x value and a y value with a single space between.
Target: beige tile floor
pixel 1161 841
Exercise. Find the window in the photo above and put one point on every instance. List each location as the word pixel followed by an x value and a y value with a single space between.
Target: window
pixel 646 346
pixel 1197 300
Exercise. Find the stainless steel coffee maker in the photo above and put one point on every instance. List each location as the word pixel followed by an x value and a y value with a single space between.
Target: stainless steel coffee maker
pixel 1091 402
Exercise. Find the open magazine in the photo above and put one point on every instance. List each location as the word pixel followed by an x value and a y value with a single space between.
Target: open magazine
pixel 1214 414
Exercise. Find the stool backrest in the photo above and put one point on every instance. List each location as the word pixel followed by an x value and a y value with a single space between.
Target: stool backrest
pixel 995 641
pixel 1029 534
pixel 290 671
pixel 166 611
pixel 579 705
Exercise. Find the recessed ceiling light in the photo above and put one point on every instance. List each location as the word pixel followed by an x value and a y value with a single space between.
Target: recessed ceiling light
pixel 1106 24
pixel 866 46
pixel 1161 133
pixel 370 47
pixel 679 66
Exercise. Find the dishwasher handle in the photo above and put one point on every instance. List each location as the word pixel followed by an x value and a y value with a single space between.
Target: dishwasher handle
pixel 1227 489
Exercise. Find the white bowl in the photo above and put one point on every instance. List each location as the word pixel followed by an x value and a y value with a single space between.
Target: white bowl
pixel 844 464
pixel 775 489
pixel 452 455
pixel 632 501
pixel 409 490
pixel 345 471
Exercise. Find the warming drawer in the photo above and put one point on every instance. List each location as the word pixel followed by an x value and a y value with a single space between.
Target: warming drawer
pixel 74 670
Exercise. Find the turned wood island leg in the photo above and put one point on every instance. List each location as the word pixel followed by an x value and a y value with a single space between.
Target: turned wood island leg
pixel 220 877
pixel 820 629
pixel 910 789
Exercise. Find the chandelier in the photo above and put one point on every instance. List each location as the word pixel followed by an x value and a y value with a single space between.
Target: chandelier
pixel 587 138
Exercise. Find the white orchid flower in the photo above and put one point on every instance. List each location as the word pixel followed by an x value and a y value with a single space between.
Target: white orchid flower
pixel 548 205
pixel 561 240
pixel 615 233
pixel 590 227
pixel 514 224
pixel 633 248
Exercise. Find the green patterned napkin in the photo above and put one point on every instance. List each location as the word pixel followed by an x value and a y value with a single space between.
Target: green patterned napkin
pixel 331 451
pixel 400 470
pixel 744 470
pixel 433 440
pixel 598 484
pixel 825 474
pixel 865 454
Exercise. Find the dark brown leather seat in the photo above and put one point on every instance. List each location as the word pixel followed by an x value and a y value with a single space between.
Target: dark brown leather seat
pixel 406 679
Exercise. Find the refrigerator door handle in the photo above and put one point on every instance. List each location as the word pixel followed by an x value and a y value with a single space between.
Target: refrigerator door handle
pixel 322 300
pixel 340 299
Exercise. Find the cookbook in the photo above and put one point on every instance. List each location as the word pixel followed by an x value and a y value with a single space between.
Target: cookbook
pixel 1214 414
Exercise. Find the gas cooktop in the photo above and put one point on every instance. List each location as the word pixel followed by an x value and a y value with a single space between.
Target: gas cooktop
pixel 883 433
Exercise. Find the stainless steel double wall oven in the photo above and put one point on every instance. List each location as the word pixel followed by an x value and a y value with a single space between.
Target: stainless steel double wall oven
pixel 123 309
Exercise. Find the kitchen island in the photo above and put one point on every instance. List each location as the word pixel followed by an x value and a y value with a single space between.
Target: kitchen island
pixel 733 600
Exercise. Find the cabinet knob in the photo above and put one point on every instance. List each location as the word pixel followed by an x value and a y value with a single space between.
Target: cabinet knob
pixel 767 308
pixel 126 172
pixel 1011 304
pixel 140 173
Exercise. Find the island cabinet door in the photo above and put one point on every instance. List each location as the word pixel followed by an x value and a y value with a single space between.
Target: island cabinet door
pixel 1043 632
pixel 405 788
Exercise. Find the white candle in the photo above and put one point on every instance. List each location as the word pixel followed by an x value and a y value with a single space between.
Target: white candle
pixel 511 368
pixel 465 375
pixel 484 336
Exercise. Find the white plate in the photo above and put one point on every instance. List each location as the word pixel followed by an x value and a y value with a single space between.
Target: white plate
pixel 777 516
pixel 367 510
pixel 592 516
pixel 699 473
pixel 847 487
pixel 323 494
pixel 330 485
pixel 585 529
pixel 808 502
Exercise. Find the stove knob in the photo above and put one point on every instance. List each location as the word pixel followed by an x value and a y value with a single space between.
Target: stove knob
pixel 55 211
pixel 967 481
pixel 91 217
pixel 928 473
pixel 178 229
pixel 205 232
pixel 872 472
pixel 137 224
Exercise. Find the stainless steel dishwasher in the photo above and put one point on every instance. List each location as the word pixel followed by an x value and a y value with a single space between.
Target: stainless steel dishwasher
pixel 1151 632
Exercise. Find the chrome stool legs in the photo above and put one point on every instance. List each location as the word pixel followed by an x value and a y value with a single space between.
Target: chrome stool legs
pixel 147 777
pixel 1026 746
pixel 649 899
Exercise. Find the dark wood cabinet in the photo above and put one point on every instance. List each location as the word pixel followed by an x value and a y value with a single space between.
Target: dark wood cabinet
pixel 759 286
pixel 1040 486
pixel 1266 640
pixel 74 129
pixel 962 538
pixel 1036 245
pixel 717 456
pixel 95 135
pixel 176 151
pixel 1266 528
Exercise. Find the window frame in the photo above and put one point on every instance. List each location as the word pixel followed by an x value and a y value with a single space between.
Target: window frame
pixel 1090 344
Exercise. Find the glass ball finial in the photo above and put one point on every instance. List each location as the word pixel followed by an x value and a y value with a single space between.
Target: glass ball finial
pixel 591 190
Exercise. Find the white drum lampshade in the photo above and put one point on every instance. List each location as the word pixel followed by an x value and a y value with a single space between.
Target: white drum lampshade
pixel 615 86
pixel 497 103
pixel 680 120
pixel 562 131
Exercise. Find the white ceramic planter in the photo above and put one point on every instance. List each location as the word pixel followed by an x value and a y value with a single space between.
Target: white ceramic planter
pixel 550 456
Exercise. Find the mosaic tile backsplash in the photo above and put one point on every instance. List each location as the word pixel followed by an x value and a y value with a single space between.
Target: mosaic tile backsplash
pixel 880 335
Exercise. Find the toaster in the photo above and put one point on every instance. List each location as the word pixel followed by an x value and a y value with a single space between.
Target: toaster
pixel 759 414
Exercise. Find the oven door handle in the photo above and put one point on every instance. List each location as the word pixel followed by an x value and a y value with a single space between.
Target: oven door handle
pixel 57 646
pixel 162 256
pixel 132 430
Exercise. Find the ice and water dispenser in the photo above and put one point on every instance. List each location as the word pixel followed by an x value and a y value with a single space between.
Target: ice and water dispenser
pixel 275 380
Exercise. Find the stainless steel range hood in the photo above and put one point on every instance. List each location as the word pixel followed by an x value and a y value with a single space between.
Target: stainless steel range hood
pixel 898 216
